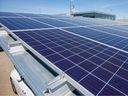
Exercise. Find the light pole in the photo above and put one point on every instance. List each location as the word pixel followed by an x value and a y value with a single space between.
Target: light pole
pixel 72 6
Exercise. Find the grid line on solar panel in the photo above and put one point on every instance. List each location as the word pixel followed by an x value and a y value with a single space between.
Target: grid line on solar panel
pixel 109 84
pixel 117 42
pixel 22 23
pixel 96 33
pixel 54 17
pixel 55 22
pixel 80 23
pixel 68 20
pixel 30 15
pixel 35 29
pixel 73 49
pixel 54 41
pixel 68 61
pixel 100 65
pixel 111 40
pixel 89 20
pixel 8 14
pixel 74 23
pixel 113 76
pixel 119 27
pixel 113 31
pixel 109 90
pixel 95 84
pixel 12 17
pixel 48 18
pixel 37 41
pixel 83 20
pixel 8 24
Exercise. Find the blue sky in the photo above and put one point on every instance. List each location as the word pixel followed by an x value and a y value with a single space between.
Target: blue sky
pixel 118 7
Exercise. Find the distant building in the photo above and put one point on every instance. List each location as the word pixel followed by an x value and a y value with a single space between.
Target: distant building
pixel 122 20
pixel 62 14
pixel 94 14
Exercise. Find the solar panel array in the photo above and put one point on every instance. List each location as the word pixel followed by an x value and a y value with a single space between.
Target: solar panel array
pixel 8 14
pixel 108 36
pixel 91 52
pixel 22 23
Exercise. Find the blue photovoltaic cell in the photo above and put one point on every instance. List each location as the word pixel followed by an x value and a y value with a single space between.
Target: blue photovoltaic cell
pixel 22 23
pixel 119 27
pixel 66 53
pixel 46 52
pixel 88 65
pixel 54 22
pixel 103 74
pixel 7 14
pixel 76 22
pixel 54 57
pixel 120 84
pixel 30 15
pixel 111 67
pixel 124 27
pixel 111 31
pixel 77 73
pixel 79 20
pixel 91 64
pixel 64 64
pixel 92 83
pixel 110 39
pixel 109 90
pixel 125 66
pixel 123 73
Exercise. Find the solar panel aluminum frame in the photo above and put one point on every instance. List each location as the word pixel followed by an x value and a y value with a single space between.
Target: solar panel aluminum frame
pixel 4 27
pixel 55 68
pixel 5 48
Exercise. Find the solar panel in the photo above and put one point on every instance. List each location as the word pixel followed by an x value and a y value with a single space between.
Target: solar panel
pixel 112 31
pixel 71 20
pixel 107 36
pixel 119 27
pixel 8 14
pixel 125 25
pixel 30 15
pixel 98 68
pixel 22 23
pixel 54 22
pixel 100 21
pixel 83 21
